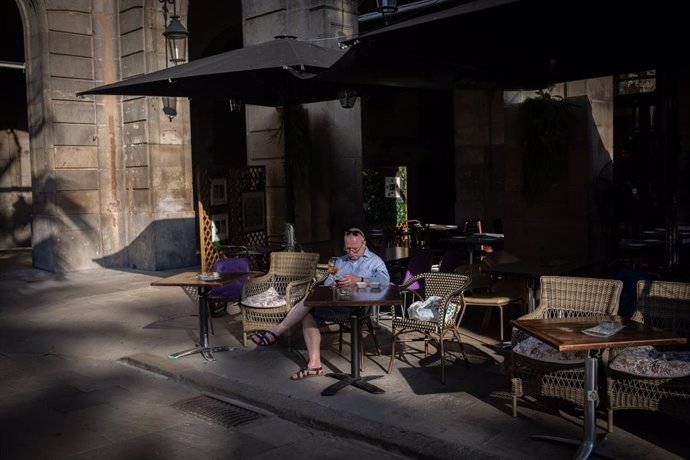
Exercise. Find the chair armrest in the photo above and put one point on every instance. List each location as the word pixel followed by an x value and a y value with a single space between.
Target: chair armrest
pixel 320 276
pixel 536 314
pixel 296 290
pixel 459 301
pixel 410 281
pixel 257 285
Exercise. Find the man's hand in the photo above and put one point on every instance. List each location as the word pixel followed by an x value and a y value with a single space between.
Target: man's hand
pixel 348 280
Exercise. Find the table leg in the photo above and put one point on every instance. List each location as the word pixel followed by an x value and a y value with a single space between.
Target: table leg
pixel 587 445
pixel 202 347
pixel 590 417
pixel 531 297
pixel 353 378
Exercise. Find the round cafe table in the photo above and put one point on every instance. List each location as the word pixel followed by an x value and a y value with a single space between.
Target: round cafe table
pixel 476 239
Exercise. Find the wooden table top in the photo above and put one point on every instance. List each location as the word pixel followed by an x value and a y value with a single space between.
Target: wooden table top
pixel 565 334
pixel 325 296
pixel 191 279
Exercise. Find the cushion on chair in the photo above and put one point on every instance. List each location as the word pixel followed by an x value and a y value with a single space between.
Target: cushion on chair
pixel 231 291
pixel 424 310
pixel 536 349
pixel 487 299
pixel 427 310
pixel 267 299
pixel 649 362
pixel 414 286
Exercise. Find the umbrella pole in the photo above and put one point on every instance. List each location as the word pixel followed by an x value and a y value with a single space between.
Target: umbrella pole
pixel 288 163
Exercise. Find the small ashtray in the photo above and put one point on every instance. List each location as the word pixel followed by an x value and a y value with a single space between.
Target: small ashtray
pixel 343 292
pixel 361 284
pixel 208 276
pixel 375 284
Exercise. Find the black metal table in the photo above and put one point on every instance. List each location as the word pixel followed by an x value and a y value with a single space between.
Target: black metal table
pixel 191 279
pixel 475 239
pixel 326 296
pixel 565 334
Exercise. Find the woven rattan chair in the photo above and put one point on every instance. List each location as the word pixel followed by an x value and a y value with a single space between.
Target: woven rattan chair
pixel 448 286
pixel 290 274
pixel 663 304
pixel 561 297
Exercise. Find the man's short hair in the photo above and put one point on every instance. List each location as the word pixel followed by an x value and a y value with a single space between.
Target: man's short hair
pixel 354 231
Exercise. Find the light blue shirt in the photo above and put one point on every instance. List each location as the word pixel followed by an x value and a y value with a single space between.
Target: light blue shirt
pixel 368 266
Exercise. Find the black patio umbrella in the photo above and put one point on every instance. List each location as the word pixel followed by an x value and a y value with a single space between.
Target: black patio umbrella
pixel 277 73
pixel 273 74
pixel 534 43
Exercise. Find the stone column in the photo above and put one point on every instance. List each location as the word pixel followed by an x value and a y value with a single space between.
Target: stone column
pixel 567 222
pixel 111 181
pixel 479 156
pixel 328 183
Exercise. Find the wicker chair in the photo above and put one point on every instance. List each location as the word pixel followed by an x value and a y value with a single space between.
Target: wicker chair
pixel 290 274
pixel 448 286
pixel 561 297
pixel 666 305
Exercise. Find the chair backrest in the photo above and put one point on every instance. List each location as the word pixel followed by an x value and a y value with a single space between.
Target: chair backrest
pixel 629 293
pixel 664 304
pixel 231 264
pixel 448 286
pixel 569 296
pixel 472 226
pixel 291 266
pixel 231 291
pixel 419 263
pixel 416 232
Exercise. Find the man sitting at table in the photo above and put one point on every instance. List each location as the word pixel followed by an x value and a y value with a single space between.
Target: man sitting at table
pixel 358 264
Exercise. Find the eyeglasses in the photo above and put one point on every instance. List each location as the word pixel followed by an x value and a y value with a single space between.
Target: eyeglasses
pixel 354 250
pixel 354 232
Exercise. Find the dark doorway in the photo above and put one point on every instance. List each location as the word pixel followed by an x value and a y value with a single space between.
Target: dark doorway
pixel 15 165
pixel 415 129
pixel 637 170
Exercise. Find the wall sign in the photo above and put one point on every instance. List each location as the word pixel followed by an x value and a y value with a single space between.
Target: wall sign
pixel 392 187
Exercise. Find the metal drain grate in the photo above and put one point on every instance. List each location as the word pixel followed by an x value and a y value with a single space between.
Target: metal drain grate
pixel 217 411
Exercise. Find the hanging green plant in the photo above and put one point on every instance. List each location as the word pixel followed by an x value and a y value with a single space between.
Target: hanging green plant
pixel 543 122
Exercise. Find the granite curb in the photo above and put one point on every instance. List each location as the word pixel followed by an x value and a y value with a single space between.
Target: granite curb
pixel 309 413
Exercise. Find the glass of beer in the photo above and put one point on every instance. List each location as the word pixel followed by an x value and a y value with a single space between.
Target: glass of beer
pixel 332 270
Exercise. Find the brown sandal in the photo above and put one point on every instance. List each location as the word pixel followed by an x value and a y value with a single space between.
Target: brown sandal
pixel 306 372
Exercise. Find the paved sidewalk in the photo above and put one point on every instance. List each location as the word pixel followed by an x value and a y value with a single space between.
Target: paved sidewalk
pixel 108 316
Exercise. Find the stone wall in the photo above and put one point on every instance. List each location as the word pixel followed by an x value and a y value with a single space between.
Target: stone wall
pixel 567 222
pixel 479 157
pixel 15 189
pixel 106 172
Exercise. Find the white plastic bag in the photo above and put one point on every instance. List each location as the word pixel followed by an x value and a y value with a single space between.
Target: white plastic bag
pixel 426 310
